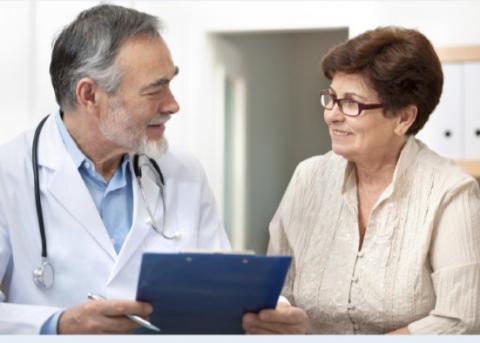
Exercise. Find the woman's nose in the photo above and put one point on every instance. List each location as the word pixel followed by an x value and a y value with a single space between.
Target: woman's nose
pixel 334 115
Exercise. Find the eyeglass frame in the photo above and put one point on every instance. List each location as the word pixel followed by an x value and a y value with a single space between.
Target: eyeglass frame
pixel 361 106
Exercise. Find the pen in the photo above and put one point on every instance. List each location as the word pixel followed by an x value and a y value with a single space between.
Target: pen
pixel 139 320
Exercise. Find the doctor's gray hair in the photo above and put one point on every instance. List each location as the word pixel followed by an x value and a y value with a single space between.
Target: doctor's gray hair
pixel 89 46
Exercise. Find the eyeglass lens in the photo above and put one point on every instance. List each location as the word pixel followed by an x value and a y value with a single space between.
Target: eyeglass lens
pixel 347 106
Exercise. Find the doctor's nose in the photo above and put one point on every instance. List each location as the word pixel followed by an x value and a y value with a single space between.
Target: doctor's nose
pixel 169 104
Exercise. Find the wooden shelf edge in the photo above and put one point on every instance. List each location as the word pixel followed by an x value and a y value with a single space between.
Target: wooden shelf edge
pixel 459 53
pixel 470 166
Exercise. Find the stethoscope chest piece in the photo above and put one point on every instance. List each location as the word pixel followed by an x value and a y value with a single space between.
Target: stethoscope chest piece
pixel 43 276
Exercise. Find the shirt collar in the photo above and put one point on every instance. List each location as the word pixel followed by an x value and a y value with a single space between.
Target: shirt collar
pixel 122 174
pixel 77 155
pixel 406 159
pixel 81 161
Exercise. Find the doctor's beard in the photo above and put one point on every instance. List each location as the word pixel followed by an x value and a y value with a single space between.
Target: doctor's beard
pixel 153 149
pixel 120 128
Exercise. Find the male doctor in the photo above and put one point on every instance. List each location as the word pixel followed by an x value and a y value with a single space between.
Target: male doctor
pixel 111 72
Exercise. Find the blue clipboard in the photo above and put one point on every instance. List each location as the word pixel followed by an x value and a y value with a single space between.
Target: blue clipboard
pixel 208 293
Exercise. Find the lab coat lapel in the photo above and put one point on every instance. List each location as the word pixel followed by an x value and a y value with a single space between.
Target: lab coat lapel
pixel 140 222
pixel 66 185
pixel 68 188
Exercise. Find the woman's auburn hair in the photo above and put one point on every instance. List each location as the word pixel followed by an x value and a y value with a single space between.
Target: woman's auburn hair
pixel 400 64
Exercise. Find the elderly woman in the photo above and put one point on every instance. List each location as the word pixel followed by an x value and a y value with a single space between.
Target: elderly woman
pixel 385 234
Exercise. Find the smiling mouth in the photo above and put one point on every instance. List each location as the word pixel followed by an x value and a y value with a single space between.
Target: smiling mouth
pixel 156 127
pixel 158 124
pixel 341 133
pixel 159 120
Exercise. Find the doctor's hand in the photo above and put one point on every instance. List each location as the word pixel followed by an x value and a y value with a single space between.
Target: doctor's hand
pixel 285 319
pixel 102 316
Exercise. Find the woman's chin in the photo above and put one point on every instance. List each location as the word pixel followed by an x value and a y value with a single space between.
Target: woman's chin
pixel 341 150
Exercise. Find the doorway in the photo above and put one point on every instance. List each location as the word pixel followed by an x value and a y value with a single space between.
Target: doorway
pixel 269 85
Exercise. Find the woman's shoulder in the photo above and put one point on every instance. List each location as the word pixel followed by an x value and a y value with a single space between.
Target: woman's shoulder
pixel 324 162
pixel 444 170
pixel 322 171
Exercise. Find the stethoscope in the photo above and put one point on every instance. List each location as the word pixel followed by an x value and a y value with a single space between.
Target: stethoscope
pixel 44 275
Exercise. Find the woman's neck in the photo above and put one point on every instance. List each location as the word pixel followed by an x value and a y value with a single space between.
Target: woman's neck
pixel 376 174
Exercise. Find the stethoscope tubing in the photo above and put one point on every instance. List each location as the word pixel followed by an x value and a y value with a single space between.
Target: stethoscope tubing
pixel 43 276
pixel 36 185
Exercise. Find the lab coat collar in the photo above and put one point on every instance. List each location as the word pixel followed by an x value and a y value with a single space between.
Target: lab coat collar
pixel 51 150
pixel 65 184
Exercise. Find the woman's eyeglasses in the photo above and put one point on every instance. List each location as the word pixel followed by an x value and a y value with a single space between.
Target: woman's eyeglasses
pixel 348 107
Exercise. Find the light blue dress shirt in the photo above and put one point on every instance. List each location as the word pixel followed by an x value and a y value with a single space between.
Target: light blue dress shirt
pixel 113 199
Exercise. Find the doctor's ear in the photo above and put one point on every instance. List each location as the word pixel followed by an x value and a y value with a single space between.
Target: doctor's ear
pixel 406 118
pixel 87 94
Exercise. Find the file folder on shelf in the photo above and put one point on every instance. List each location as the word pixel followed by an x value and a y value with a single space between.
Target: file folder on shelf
pixel 208 293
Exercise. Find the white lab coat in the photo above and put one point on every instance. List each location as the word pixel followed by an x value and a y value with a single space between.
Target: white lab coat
pixel 79 247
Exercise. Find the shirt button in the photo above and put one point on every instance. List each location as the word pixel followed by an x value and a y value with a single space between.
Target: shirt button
pixel 355 279
pixel 356 327
pixel 351 307
pixel 360 254
pixel 87 165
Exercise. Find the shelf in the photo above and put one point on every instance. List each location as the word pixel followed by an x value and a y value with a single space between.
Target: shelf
pixel 471 166
pixel 459 53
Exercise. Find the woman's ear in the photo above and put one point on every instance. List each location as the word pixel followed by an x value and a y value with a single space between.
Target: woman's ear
pixel 406 119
